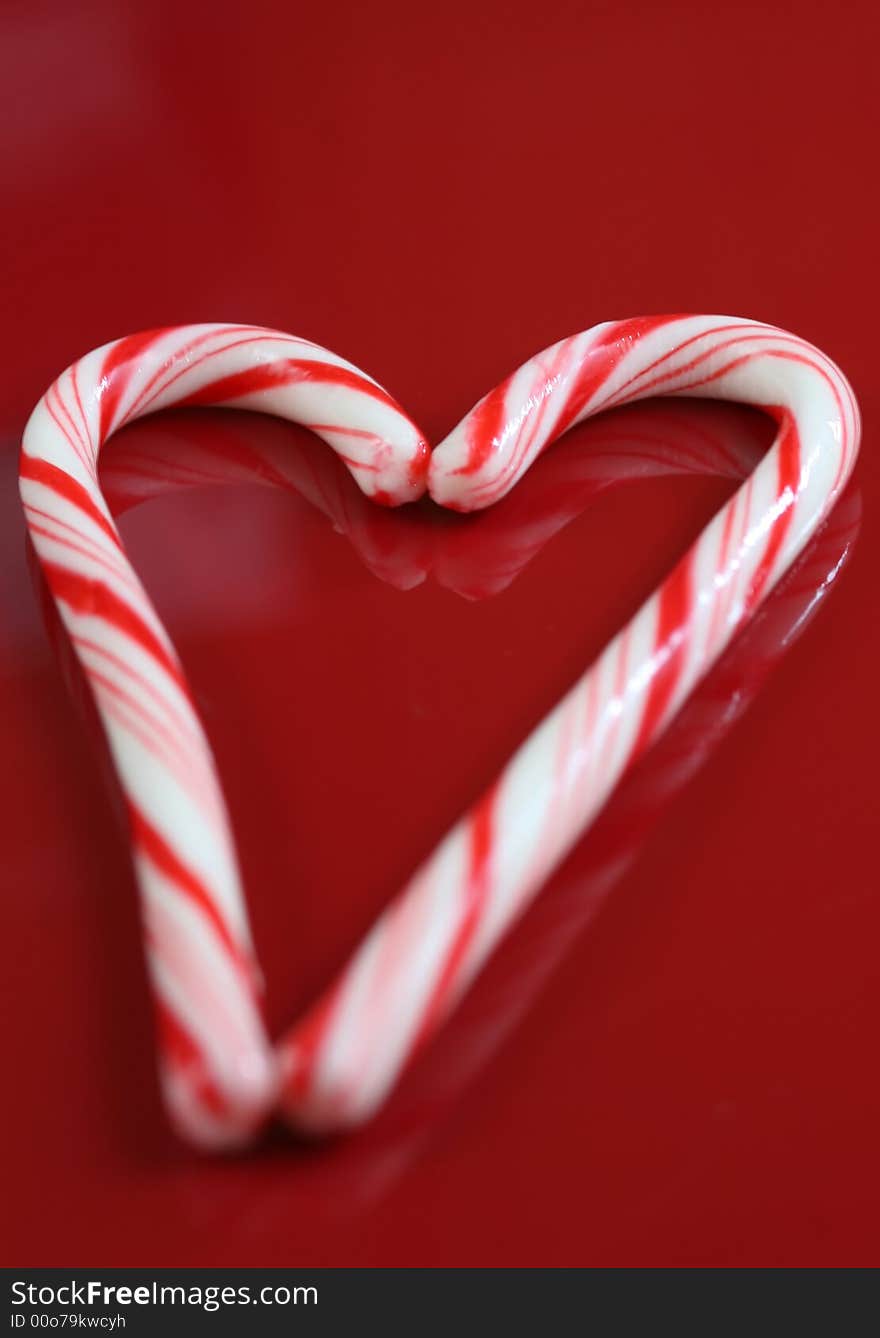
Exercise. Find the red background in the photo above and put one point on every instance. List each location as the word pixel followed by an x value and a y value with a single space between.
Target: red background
pixel 436 194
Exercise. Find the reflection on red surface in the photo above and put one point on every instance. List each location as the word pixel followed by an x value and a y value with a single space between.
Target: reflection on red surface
pixel 479 559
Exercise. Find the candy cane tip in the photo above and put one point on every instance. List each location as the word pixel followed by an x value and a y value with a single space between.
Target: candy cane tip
pixel 327 1113
pixel 317 1103
pixel 221 1110
pixel 419 466
pixel 402 475
pixel 451 483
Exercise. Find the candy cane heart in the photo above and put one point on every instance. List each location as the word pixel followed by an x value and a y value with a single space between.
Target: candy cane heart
pixel 334 1067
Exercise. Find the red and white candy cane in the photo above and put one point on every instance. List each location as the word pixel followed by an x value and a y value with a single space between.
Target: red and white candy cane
pixel 220 1073
pixel 218 1068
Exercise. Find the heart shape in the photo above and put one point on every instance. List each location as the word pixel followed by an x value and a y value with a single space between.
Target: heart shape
pixel 205 448
pixel 221 1076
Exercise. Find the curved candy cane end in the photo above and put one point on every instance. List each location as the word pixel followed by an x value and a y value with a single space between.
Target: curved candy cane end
pixel 216 1101
pixel 460 474
pixel 398 475
pixel 328 1109
pixel 717 357
pixel 210 1126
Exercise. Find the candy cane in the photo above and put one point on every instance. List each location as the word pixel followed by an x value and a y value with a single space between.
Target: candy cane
pixel 218 1069
pixel 573 899
pixel 220 1074
pixel 430 942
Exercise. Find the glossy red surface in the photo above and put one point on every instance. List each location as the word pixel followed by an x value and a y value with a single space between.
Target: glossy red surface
pixel 682 1077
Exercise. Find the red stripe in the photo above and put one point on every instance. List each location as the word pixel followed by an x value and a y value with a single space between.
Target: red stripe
pixel 788 447
pixel 531 427
pixel 181 1052
pixel 670 646
pixel 485 426
pixel 181 724
pixel 644 392
pixel 418 465
pixel 283 372
pixel 89 552
pixel 88 596
pixel 74 436
pixel 305 1043
pixel 117 371
pixel 487 419
pixel 79 405
pixel 71 441
pixel 159 853
pixel 60 482
pixel 476 893
pixel 730 513
pixel 144 397
pixel 610 348
pixel 155 737
pixel 739 332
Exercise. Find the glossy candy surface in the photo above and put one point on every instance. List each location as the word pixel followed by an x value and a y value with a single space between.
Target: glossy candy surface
pixel 333 1068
